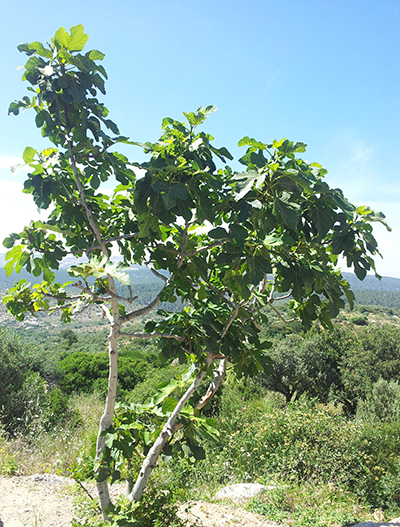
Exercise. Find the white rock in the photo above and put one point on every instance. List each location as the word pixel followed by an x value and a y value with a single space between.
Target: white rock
pixel 392 523
pixel 241 491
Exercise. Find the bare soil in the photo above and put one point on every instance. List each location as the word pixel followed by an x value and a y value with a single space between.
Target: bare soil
pixel 47 500
pixel 42 500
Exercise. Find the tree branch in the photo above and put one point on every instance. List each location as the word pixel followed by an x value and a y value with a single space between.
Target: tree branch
pixel 90 293
pixel 219 375
pixel 281 316
pixel 184 244
pixel 107 313
pixel 84 202
pixel 165 435
pixel 195 251
pixel 276 299
pixel 139 312
pixel 122 298
pixel 232 318
pixel 221 295
pixel 54 297
pixel 263 284
pixel 108 240
pixel 270 301
pixel 157 274
pixel 206 248
pixel 151 335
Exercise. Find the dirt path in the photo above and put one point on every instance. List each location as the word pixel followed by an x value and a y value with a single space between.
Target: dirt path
pixel 46 500
pixel 41 500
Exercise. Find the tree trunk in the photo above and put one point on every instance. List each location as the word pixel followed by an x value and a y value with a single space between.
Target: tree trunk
pixel 107 417
pixel 165 435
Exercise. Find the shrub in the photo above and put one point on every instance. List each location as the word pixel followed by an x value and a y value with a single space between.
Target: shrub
pixel 304 443
pixel 373 353
pixel 310 505
pixel 14 367
pixel 69 337
pixel 157 508
pixel 382 403
pixel 88 372
pixel 23 392
pixel 58 410
pixel 307 365
pixel 359 320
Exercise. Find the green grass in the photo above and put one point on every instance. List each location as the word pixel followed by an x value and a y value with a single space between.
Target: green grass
pixel 311 505
pixel 60 450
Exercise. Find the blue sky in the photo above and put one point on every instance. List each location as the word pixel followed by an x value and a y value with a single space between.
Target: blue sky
pixel 324 72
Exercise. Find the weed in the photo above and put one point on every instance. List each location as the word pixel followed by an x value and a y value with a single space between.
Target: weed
pixel 310 505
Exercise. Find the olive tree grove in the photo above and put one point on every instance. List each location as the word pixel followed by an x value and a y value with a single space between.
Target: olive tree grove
pixel 228 244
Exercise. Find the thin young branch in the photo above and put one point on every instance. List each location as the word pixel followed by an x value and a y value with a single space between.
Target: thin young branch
pixel 151 336
pixel 90 293
pixel 167 249
pixel 263 284
pixel 157 274
pixel 284 297
pixel 184 244
pixel 62 308
pixel 232 318
pixel 279 315
pixel 108 240
pixel 206 248
pixel 219 375
pixel 144 310
pixel 195 251
pixel 86 306
pixel 85 205
pixel 139 312
pixel 122 298
pixel 271 300
pixel 271 294
pixel 54 297
pixel 86 491
pixel 235 313
pixel 51 309
pixel 221 295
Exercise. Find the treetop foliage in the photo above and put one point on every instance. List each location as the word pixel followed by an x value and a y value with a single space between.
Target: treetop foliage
pixel 278 216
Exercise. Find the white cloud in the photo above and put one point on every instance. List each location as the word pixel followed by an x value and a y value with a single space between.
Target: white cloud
pixel 16 209
pixel 388 246
pixel 360 152
pixel 8 162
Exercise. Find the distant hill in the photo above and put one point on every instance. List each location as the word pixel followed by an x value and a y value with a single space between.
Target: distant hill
pixel 370 291
pixel 373 284
pixel 137 274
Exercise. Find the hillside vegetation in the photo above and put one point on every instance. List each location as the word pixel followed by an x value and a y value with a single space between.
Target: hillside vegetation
pixel 324 427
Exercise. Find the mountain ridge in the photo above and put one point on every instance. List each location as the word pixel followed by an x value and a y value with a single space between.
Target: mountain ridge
pixel 137 273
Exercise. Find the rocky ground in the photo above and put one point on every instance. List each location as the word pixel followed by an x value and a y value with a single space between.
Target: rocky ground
pixel 41 500
pixel 45 500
